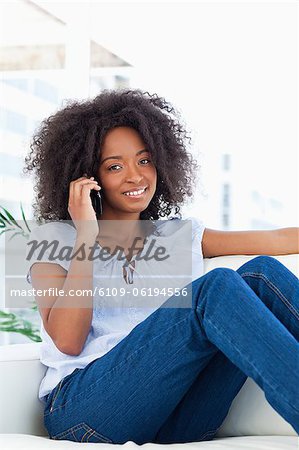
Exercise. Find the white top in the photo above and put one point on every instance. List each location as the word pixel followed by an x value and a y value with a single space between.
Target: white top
pixel 110 325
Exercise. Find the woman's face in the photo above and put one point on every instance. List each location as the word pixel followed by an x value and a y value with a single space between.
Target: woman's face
pixel 125 166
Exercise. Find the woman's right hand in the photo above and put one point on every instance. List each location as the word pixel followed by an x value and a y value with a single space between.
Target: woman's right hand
pixel 80 207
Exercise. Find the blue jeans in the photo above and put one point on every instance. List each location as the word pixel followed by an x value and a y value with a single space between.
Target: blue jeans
pixel 174 377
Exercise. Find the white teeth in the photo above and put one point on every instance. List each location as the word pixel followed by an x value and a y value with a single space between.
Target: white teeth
pixel 135 192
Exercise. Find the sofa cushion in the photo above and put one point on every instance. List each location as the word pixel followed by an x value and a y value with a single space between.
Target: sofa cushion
pixel 25 442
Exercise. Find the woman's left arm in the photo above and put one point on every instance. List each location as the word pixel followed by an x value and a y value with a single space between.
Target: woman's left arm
pixel 282 241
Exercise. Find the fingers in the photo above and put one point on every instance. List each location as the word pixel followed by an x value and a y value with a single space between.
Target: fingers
pixel 85 192
pixel 76 187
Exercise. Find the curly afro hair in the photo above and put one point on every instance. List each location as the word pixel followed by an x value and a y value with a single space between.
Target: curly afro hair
pixel 68 144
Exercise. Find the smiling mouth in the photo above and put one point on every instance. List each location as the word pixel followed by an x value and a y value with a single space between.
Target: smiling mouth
pixel 136 194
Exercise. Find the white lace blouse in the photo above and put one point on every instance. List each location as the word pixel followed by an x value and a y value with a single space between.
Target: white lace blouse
pixel 111 324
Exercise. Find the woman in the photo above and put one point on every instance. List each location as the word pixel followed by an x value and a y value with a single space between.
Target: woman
pixel 166 374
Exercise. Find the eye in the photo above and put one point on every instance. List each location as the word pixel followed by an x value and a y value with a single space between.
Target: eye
pixel 111 168
pixel 145 159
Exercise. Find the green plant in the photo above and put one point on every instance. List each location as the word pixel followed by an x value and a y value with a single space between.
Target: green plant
pixel 10 322
pixel 8 223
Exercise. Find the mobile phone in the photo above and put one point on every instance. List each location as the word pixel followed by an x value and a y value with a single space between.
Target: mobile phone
pixel 96 202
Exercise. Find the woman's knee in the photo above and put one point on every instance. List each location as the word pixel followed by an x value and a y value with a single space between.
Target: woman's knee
pixel 259 264
pixel 218 280
pixel 221 273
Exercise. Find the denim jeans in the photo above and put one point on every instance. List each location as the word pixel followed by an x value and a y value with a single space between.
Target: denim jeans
pixel 174 377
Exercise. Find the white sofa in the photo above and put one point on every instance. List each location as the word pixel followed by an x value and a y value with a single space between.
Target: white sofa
pixel 250 424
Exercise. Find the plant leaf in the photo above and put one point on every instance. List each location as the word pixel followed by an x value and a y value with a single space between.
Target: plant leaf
pixel 33 335
pixel 19 325
pixel 7 315
pixel 11 323
pixel 23 215
pixel 11 218
pixel 3 218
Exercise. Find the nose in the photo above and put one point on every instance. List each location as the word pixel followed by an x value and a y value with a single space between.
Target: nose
pixel 134 175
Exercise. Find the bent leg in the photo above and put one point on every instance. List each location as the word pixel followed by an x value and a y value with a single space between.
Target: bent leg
pixel 206 404
pixel 249 334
